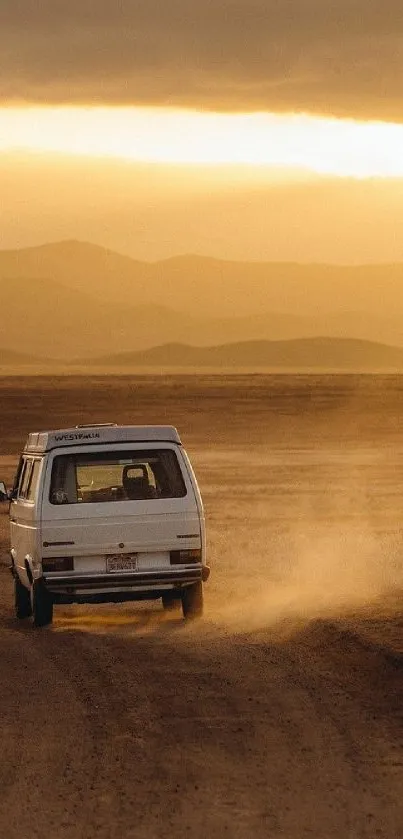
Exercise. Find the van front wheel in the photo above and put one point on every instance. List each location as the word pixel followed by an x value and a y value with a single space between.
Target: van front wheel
pixel 192 601
pixel 41 603
pixel 22 600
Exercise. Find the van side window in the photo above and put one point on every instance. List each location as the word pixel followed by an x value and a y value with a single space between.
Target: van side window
pixel 17 477
pixel 25 478
pixel 33 481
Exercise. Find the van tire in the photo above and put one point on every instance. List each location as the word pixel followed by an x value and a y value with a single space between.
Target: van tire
pixel 192 601
pixel 22 599
pixel 171 603
pixel 41 603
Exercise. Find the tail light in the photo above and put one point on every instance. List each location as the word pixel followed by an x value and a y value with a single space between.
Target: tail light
pixel 58 563
pixel 185 556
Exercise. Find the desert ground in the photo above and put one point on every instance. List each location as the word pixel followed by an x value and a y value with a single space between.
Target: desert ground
pixel 280 714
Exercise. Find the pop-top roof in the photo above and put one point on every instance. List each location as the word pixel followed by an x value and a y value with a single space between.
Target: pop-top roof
pixel 44 441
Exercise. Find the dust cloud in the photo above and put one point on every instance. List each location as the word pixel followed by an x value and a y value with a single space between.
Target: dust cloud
pixel 319 539
pixel 332 576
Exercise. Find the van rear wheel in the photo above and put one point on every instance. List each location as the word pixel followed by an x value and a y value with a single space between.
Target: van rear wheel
pixel 22 600
pixel 41 603
pixel 170 602
pixel 192 601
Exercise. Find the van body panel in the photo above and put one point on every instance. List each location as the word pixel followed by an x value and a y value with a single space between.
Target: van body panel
pixel 25 537
pixel 110 534
pixel 25 525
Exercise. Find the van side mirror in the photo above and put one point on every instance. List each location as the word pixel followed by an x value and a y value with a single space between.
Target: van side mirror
pixel 3 492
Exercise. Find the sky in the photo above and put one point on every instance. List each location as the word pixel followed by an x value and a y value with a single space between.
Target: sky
pixel 247 129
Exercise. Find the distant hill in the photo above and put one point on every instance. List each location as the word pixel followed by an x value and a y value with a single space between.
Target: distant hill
pixel 207 287
pixel 310 353
pixel 9 358
pixel 322 353
pixel 73 300
pixel 48 319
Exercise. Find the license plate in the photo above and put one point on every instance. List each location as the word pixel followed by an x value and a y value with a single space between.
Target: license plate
pixel 117 563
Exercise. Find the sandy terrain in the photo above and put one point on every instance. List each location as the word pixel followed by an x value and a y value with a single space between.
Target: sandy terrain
pixel 280 715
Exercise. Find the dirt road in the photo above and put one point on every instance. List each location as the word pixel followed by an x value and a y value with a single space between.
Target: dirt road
pixel 280 715
pixel 116 723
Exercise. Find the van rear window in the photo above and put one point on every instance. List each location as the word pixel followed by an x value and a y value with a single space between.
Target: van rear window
pixel 116 476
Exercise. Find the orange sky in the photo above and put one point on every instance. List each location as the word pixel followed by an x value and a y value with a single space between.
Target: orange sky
pixel 251 129
pixel 155 211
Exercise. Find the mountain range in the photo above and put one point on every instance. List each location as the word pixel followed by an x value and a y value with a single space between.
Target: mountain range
pixel 303 353
pixel 74 300
pixel 332 354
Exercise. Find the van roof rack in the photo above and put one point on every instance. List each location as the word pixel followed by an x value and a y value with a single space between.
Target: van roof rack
pixel 97 425
pixel 45 441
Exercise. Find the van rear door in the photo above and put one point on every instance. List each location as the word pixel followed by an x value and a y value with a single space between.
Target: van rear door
pixel 121 500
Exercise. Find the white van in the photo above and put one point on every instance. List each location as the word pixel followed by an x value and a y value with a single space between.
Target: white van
pixel 106 513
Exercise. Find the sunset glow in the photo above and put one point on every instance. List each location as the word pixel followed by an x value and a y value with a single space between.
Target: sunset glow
pixel 326 146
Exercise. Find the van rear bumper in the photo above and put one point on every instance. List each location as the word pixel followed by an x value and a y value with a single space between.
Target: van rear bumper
pixel 151 584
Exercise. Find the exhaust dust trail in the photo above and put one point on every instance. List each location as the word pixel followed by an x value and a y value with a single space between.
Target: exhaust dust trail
pixel 316 575
pixel 313 532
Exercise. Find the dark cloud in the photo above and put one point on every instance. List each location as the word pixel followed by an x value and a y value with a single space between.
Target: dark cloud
pixel 341 57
